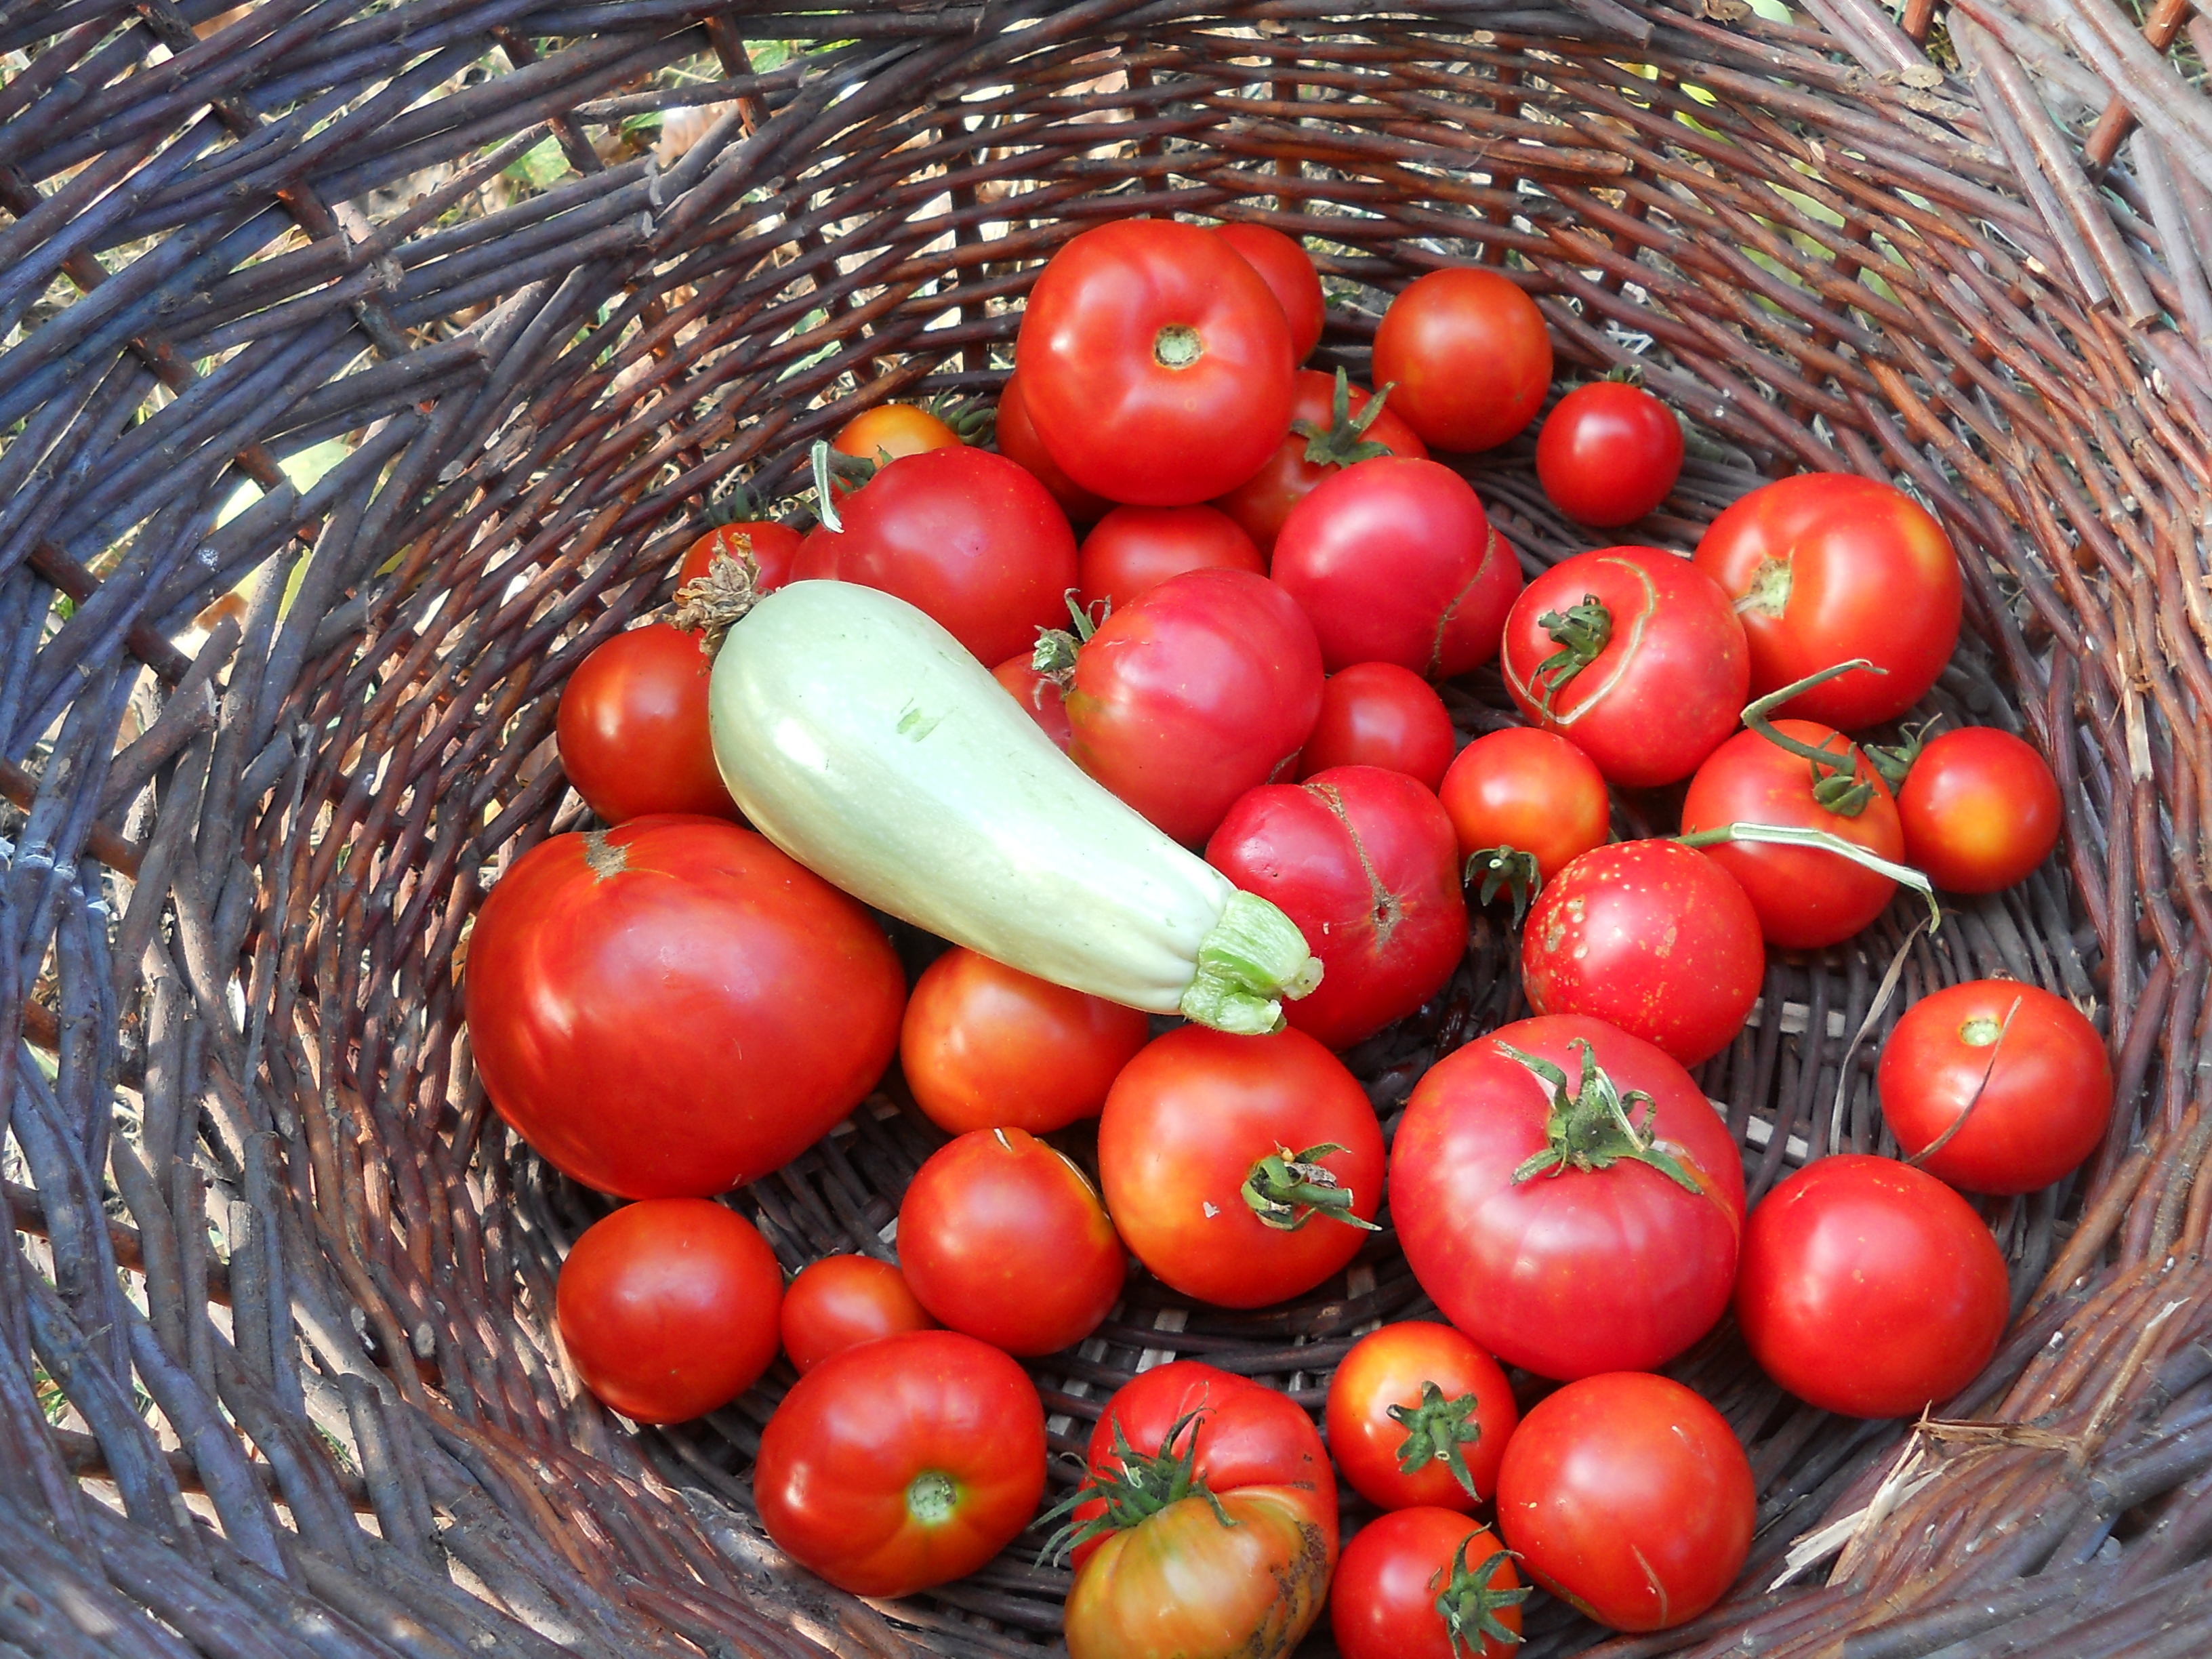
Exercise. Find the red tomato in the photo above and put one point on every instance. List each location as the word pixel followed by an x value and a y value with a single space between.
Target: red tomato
pixel 1194 692
pixel 1426 1583
pixel 1617 1257
pixel 632 727
pixel 987 1047
pixel 842 1301
pixel 1002 1238
pixel 1870 1288
pixel 1155 364
pixel 1240 1169
pixel 669 1307
pixel 1418 1415
pixel 771 547
pixel 1038 693
pixel 1134 548
pixel 1826 567
pixel 903 1463
pixel 1631 1498
pixel 1333 424
pixel 1395 561
pixel 961 533
pixel 673 1008
pixel 1807 897
pixel 1363 861
pixel 1019 442
pixel 1155 1577
pixel 1634 656
pixel 1995 1086
pixel 1651 936
pixel 1288 270
pixel 1377 713
pixel 891 430
pixel 1979 809
pixel 1609 453
pixel 1521 790
pixel 1469 356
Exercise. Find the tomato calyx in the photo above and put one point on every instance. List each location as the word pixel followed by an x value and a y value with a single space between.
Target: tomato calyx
pixel 933 1497
pixel 1435 1430
pixel 1768 592
pixel 711 604
pixel 1057 648
pixel 1145 1486
pixel 1178 345
pixel 1582 632
pixel 1508 869
pixel 1979 1032
pixel 1287 1189
pixel 1895 761
pixel 1836 787
pixel 1471 1599
pixel 1592 1126
pixel 729 504
pixel 1345 440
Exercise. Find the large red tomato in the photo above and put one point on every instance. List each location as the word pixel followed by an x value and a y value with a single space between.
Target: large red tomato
pixel 771 547
pixel 1377 713
pixel 669 1307
pixel 1288 270
pixel 1995 1086
pixel 1807 897
pixel 1134 548
pixel 1426 1583
pixel 903 1463
pixel 1469 356
pixel 1609 453
pixel 1826 567
pixel 1634 656
pixel 1651 936
pixel 1019 442
pixel 1631 1498
pixel 987 1047
pixel 1040 693
pixel 1363 861
pixel 1002 1238
pixel 1561 1237
pixel 1333 424
pixel 1870 1288
pixel 1979 809
pixel 961 533
pixel 1418 1415
pixel 842 1301
pixel 1240 1169
pixel 1395 561
pixel 632 727
pixel 1525 796
pixel 1196 691
pixel 1155 365
pixel 672 1008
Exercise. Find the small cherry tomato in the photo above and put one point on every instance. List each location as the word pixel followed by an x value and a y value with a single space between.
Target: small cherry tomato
pixel 1019 442
pixel 1426 1583
pixel 1979 809
pixel 771 546
pixel 1629 1497
pixel 1418 1415
pixel 1134 548
pixel 842 1301
pixel 903 1463
pixel 1333 424
pixel 632 727
pixel 889 431
pixel 988 1047
pixel 669 1307
pixel 1995 1086
pixel 1609 453
pixel 1377 713
pixel 1469 355
pixel 1288 270
pixel 1523 790
pixel 1870 1288
pixel 1038 693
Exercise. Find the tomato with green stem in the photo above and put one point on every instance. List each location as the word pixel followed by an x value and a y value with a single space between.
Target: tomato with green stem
pixel 632 727
pixel 1426 1583
pixel 1333 423
pixel 1979 809
pixel 1418 1415
pixel 1524 804
pixel 1288 270
pixel 1134 548
pixel 889 431
pixel 1377 713
pixel 842 1301
pixel 1470 355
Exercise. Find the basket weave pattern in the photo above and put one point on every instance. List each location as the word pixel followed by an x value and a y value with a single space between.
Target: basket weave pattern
pixel 276 1369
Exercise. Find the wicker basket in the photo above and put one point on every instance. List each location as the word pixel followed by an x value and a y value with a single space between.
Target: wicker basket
pixel 276 1375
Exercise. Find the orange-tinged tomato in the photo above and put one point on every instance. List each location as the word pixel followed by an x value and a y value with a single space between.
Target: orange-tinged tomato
pixel 1531 791
pixel 1979 809
pixel 891 430
pixel 1422 1393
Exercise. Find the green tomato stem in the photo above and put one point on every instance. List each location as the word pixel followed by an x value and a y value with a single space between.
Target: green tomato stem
pixel 1254 957
pixel 1779 834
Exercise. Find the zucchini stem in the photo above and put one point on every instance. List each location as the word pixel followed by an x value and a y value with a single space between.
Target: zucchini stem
pixel 1253 958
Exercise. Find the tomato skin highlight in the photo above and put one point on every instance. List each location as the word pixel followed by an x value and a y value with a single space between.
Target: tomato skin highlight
pixel 1363 861
pixel 1111 317
pixel 1288 270
pixel 1383 1602
pixel 842 1301
pixel 771 546
pixel 2037 1093
pixel 1261 502
pixel 848 1459
pixel 1528 789
pixel 1184 1126
pixel 1652 936
pixel 672 1007
pixel 1377 713
pixel 1134 548
pixel 1807 897
pixel 988 1047
pixel 1019 442
pixel 1826 567
pixel 1388 1367
pixel 1630 1497
pixel 1580 1271
pixel 1666 690
pixel 1609 453
pixel 632 727
pixel 1979 811
pixel 669 1308
pixel 1470 357
pixel 1870 1288
pixel 1038 693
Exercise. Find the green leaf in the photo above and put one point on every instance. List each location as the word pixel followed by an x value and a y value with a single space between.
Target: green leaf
pixel 768 54
pixel 544 164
